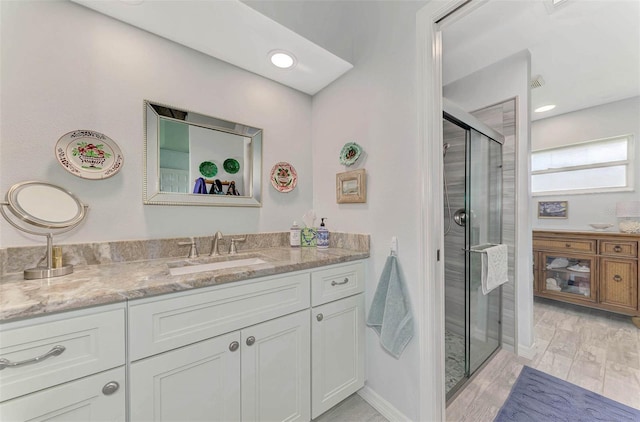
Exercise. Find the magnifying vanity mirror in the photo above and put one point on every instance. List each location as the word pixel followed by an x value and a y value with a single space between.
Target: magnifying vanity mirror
pixel 48 209
pixel 193 159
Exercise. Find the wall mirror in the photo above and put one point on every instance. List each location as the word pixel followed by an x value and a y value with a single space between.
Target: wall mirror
pixel 193 159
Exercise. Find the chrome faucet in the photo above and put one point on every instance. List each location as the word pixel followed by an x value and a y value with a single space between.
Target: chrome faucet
pixel 215 245
pixel 193 250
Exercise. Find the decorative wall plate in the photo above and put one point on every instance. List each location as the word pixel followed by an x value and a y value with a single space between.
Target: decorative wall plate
pixel 231 166
pixel 208 169
pixel 350 153
pixel 89 154
pixel 284 177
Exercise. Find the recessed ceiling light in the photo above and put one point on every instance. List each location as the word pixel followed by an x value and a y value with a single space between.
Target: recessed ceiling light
pixel 545 108
pixel 282 59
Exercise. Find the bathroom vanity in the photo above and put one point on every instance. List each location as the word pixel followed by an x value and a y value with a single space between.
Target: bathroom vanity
pixel 595 269
pixel 282 340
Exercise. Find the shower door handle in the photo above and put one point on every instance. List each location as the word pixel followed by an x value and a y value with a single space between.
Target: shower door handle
pixel 460 217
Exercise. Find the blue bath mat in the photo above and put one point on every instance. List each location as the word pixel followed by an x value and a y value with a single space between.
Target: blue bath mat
pixel 540 397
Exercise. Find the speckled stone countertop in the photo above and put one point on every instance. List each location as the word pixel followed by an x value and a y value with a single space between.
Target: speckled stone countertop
pixel 92 285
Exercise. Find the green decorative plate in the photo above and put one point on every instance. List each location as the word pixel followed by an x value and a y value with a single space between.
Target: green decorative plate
pixel 231 166
pixel 350 153
pixel 208 169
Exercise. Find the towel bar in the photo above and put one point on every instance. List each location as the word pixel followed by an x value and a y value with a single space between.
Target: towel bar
pixel 479 250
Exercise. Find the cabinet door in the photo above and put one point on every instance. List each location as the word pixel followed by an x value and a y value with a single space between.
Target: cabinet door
pixel 619 283
pixel 276 370
pixel 337 344
pixel 200 382
pixel 81 401
pixel 569 277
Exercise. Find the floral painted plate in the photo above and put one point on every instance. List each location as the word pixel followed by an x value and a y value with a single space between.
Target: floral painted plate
pixel 284 177
pixel 208 169
pixel 350 153
pixel 89 154
pixel 231 166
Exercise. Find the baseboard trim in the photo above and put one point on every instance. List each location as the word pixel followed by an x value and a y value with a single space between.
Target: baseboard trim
pixel 527 352
pixel 383 407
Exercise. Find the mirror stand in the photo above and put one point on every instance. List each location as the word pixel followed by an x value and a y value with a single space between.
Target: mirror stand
pixel 29 202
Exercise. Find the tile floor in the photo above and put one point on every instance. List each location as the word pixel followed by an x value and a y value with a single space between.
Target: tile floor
pixel 597 350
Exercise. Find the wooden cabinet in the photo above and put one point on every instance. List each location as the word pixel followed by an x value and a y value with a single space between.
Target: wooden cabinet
pixel 260 373
pixel 337 335
pixel 594 269
pixel 337 343
pixel 68 366
pixel 243 351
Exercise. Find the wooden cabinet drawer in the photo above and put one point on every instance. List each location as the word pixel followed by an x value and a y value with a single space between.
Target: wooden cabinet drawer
pixel 81 400
pixel 619 283
pixel 336 282
pixel 626 249
pixel 158 325
pixel 90 341
pixel 574 245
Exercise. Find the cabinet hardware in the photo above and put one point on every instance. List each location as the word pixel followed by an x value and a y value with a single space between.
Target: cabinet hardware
pixel 110 388
pixel 319 317
pixel 251 340
pixel 234 346
pixel 336 283
pixel 568 245
pixel 6 363
pixel 617 248
pixel 617 278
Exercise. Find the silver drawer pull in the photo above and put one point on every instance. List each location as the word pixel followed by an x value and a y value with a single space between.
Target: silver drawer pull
pixel 617 278
pixel 617 248
pixel 6 363
pixel 335 283
pixel 251 340
pixel 110 388
pixel 319 317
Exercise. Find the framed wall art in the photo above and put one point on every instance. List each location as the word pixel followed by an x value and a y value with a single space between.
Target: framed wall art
pixel 351 187
pixel 553 209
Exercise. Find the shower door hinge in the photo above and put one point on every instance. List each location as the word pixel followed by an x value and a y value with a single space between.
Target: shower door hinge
pixel 438 255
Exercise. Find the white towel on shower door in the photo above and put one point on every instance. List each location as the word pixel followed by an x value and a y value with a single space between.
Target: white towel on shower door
pixel 494 266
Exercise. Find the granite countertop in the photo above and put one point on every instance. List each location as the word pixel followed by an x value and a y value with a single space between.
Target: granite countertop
pixel 91 285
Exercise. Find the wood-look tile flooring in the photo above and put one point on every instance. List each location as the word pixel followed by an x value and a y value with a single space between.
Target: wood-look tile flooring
pixel 596 350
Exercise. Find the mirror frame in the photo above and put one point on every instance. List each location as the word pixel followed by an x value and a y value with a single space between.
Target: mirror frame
pixel 151 182
pixel 13 203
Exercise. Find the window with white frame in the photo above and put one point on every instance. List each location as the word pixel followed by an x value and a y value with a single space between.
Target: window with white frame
pixel 604 165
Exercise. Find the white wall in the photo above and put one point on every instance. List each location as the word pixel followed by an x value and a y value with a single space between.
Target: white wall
pixel 374 105
pixel 65 67
pixel 494 84
pixel 604 121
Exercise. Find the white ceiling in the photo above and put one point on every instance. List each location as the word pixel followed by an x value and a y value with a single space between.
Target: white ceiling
pixel 233 32
pixel 587 51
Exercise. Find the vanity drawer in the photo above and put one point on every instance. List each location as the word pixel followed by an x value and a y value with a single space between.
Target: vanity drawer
pixel 336 282
pixel 68 346
pixel 565 245
pixel 157 325
pixel 612 248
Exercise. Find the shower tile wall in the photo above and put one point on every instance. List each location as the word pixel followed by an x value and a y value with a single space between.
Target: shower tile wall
pixel 454 239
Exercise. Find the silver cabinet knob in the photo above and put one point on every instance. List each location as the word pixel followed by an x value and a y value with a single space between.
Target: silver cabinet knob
pixel 234 346
pixel 319 317
pixel 251 340
pixel 110 388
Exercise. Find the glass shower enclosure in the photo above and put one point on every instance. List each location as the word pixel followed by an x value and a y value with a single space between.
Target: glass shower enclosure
pixel 472 221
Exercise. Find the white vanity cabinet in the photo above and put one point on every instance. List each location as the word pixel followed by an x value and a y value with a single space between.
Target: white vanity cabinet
pixel 337 335
pixel 260 371
pixel 68 366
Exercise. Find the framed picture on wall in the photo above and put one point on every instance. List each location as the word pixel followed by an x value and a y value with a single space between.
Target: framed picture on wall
pixel 553 209
pixel 351 187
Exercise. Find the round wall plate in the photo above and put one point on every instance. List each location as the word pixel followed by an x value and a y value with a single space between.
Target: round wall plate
pixel 89 154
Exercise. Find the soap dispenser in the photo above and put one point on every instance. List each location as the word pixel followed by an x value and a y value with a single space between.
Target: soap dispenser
pixel 294 235
pixel 323 235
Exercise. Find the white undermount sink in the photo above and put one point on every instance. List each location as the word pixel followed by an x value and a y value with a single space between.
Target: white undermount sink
pixel 212 266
